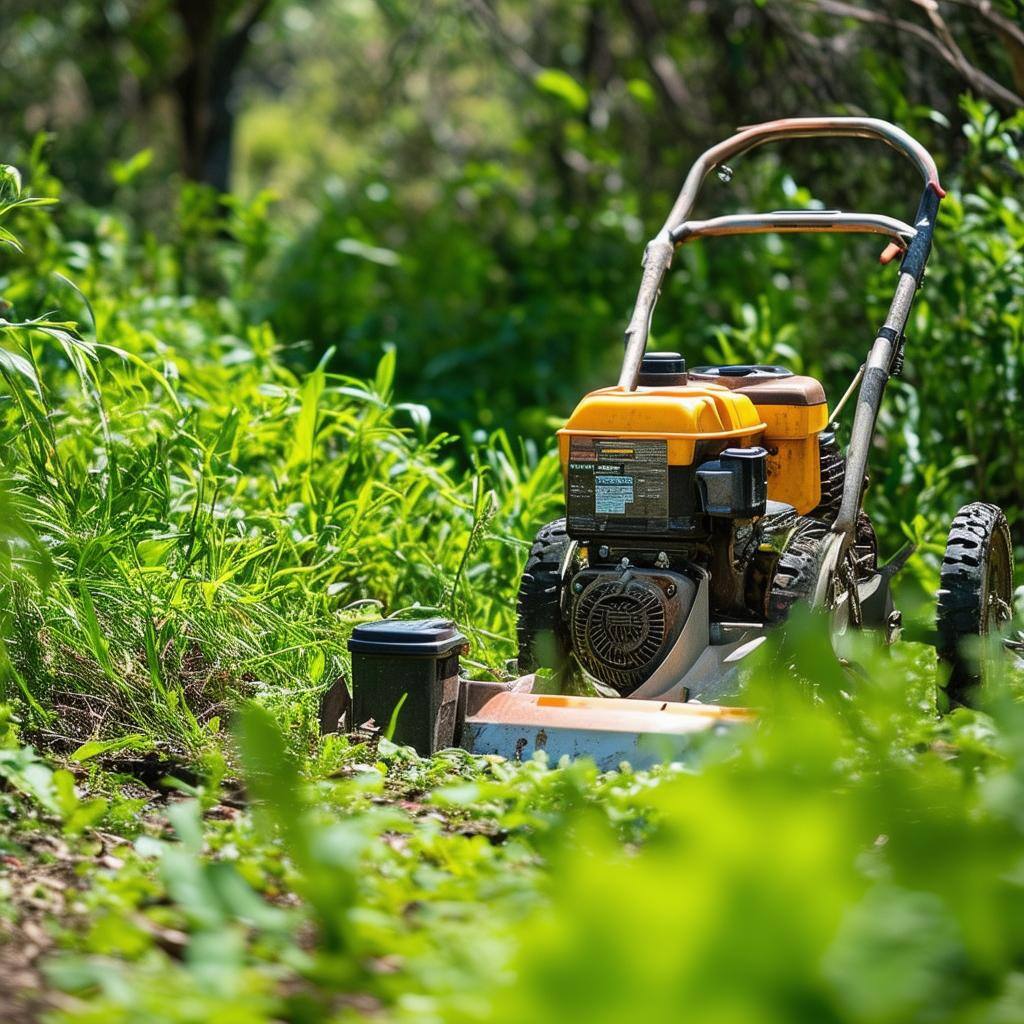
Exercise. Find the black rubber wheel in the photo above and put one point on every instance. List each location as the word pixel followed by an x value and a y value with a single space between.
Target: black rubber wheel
pixel 542 632
pixel 833 475
pixel 866 545
pixel 797 569
pixel 796 575
pixel 975 592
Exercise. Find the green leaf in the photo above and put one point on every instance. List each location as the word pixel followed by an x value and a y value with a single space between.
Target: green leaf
pixel 30 555
pixel 64 792
pixel 564 86
pixel 304 440
pixel 272 772
pixel 11 176
pixel 186 817
pixel 94 632
pixel 27 201
pixel 93 748
pixel 16 364
pixel 6 238
pixel 154 550
pixel 385 377
pixel 125 171
pixel 29 775
pixel 78 291
pixel 85 815
pixel 143 367
pixel 389 732
pixel 641 91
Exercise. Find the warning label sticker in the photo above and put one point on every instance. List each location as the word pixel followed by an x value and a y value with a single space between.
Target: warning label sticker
pixel 612 494
pixel 617 477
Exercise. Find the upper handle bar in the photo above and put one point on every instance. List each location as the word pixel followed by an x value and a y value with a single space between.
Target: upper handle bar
pixel 791 221
pixel 659 251
pixel 749 138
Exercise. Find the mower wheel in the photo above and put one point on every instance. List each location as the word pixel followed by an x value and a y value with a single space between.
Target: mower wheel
pixel 975 592
pixel 797 571
pixel 833 476
pixel 540 628
pixel 865 547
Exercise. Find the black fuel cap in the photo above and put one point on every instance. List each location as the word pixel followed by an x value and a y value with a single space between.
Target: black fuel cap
pixel 662 368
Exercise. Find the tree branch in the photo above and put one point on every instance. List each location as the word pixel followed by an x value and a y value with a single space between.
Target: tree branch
pixel 985 10
pixel 947 49
pixel 1009 31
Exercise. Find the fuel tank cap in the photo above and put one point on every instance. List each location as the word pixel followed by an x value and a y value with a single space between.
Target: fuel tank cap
pixel 660 369
pixel 759 370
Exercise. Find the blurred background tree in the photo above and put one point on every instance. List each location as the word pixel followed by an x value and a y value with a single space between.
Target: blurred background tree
pixel 331 87
pixel 472 181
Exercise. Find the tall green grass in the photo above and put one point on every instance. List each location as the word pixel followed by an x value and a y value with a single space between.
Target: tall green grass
pixel 218 522
pixel 213 518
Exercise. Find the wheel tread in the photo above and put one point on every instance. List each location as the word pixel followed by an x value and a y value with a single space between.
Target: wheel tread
pixel 963 588
pixel 797 570
pixel 538 604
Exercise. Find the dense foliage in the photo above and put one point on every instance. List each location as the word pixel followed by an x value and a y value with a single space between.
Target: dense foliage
pixel 191 523
pixel 233 426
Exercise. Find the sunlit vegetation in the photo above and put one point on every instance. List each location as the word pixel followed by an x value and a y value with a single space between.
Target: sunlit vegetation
pixel 235 425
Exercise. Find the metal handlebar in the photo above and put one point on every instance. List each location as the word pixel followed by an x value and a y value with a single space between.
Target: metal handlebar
pixel 750 138
pixel 659 251
pixel 793 221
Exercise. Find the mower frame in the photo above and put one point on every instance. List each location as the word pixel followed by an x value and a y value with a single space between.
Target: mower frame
pixel 915 241
pixel 655 724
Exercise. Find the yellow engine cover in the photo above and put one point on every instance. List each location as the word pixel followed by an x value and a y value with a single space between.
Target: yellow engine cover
pixel 681 414
pixel 794 462
pixel 685 415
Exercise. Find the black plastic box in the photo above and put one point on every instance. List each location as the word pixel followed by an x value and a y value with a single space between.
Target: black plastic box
pixel 735 484
pixel 412 665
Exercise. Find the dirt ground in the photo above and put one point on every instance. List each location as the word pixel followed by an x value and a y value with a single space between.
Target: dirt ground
pixel 40 896
pixel 38 892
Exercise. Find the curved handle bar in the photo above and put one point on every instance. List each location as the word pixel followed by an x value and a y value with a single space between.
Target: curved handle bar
pixel 659 251
pixel 749 138
pixel 793 221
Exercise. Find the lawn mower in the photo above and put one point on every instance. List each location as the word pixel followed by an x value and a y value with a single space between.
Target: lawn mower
pixel 700 506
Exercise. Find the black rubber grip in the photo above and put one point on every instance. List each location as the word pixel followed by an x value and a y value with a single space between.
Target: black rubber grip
pixel 921 244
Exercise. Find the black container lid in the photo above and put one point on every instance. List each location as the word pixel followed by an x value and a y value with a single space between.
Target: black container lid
pixel 660 368
pixel 430 637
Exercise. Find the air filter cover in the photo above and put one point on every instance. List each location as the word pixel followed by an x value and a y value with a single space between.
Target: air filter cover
pixel 624 622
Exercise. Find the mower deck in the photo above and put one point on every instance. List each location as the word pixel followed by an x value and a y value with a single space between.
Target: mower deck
pixel 608 731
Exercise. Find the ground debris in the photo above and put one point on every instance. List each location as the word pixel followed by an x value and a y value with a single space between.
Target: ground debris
pixel 38 890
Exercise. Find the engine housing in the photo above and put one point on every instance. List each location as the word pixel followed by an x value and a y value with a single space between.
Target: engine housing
pixel 624 621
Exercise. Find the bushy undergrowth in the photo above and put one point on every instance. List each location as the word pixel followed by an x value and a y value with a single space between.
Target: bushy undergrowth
pixel 190 529
pixel 496 279
pixel 852 859
pixel 215 522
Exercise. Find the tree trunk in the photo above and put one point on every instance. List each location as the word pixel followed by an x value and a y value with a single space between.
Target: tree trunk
pixel 217 34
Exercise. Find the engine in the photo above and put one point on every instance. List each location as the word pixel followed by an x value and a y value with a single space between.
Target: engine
pixel 623 622
pixel 689 481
